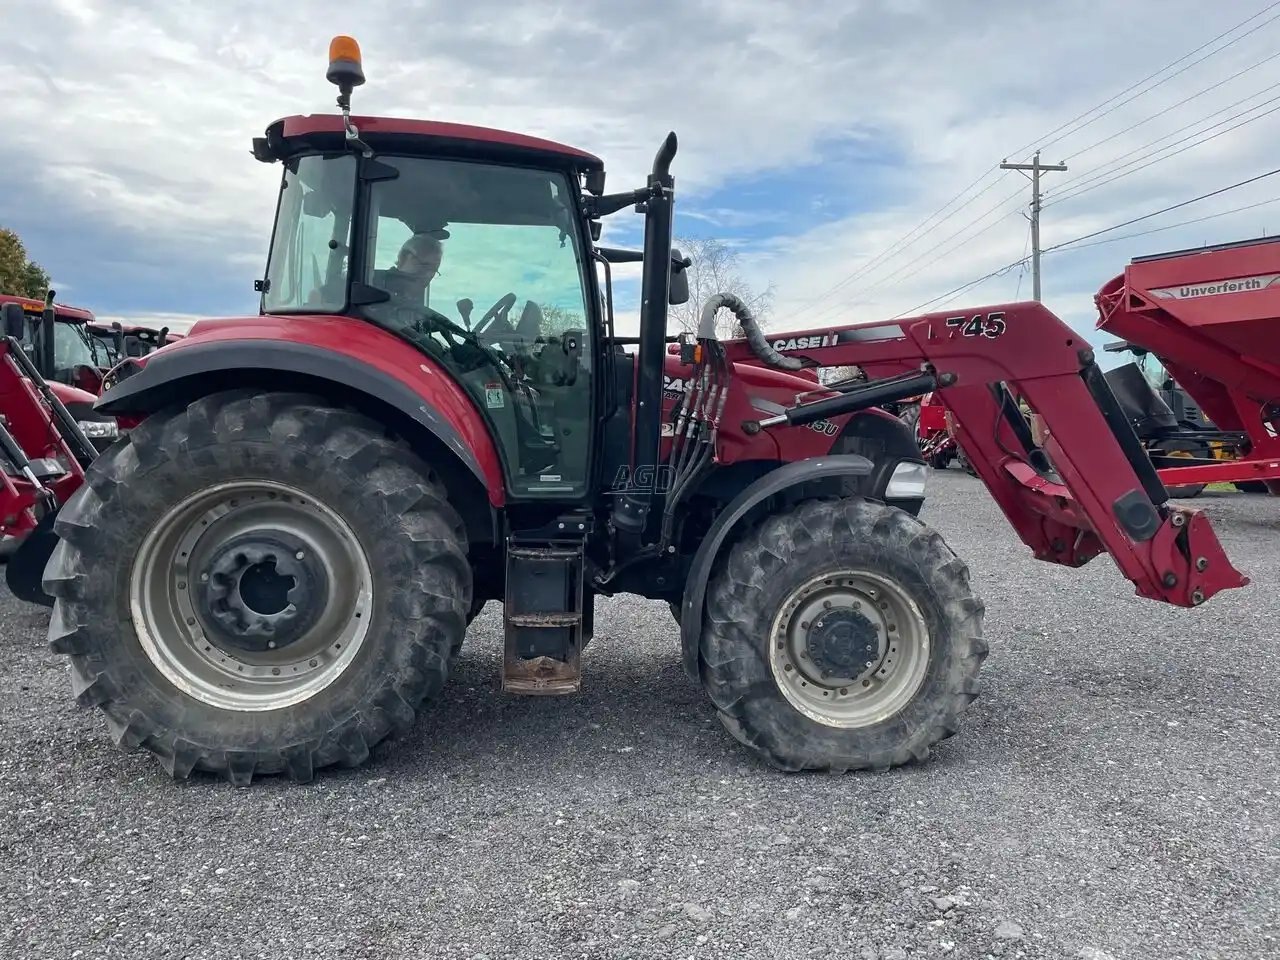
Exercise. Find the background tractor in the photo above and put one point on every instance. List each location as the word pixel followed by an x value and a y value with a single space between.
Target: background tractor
pixel 43 454
pixel 274 569
pixel 57 339
pixel 1169 422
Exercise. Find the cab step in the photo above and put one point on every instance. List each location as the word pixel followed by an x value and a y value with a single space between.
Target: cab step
pixel 546 616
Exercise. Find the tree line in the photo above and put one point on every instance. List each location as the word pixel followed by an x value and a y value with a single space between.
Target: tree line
pixel 19 274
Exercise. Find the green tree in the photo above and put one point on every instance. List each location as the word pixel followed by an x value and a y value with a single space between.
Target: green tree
pixel 19 274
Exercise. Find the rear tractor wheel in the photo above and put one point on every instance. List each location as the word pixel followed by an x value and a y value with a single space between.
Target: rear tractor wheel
pixel 257 584
pixel 841 635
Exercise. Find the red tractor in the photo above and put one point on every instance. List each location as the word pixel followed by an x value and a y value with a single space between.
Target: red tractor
pixel 274 569
pixel 117 341
pixel 50 340
pixel 43 455
pixel 57 339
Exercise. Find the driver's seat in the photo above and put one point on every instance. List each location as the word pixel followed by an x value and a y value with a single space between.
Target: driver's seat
pixel 529 327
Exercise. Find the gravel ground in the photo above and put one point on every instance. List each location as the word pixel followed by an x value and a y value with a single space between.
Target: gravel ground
pixel 1113 794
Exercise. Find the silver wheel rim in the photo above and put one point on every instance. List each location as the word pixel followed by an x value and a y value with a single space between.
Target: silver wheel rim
pixel 208 617
pixel 863 632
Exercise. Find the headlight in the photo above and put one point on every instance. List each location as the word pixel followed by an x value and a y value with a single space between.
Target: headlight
pixel 99 429
pixel 907 481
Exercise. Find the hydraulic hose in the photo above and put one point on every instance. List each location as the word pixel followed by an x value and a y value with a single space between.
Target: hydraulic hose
pixel 755 336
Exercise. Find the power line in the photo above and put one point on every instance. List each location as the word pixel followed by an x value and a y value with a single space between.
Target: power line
pixel 902 242
pixel 1088 236
pixel 912 236
pixel 1148 216
pixel 1036 168
pixel 965 241
pixel 1088 185
pixel 1100 171
pixel 1026 248
pixel 1140 93
pixel 960 289
pixel 894 274
pixel 1171 226
pixel 1182 102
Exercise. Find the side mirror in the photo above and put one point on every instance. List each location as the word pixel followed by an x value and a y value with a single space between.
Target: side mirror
pixel 14 321
pixel 679 292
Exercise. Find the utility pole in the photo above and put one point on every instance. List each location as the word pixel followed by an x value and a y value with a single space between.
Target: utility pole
pixel 1036 168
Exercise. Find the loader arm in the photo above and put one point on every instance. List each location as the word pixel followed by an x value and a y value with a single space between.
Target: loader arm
pixel 43 453
pixel 1088 488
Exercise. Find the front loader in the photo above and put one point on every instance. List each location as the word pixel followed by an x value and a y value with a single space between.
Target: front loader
pixel 43 455
pixel 274 569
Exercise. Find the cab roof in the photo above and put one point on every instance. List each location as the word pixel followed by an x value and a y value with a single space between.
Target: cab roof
pixel 61 311
pixel 307 133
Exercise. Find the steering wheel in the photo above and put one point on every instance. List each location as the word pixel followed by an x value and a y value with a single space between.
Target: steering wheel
pixel 467 347
pixel 497 312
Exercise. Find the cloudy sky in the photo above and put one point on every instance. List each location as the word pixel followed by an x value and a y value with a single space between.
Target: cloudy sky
pixel 820 139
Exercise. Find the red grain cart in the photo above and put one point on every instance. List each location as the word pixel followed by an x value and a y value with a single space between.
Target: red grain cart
pixel 1210 316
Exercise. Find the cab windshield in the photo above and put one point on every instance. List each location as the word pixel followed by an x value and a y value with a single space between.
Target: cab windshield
pixel 73 347
pixel 480 266
pixel 1154 371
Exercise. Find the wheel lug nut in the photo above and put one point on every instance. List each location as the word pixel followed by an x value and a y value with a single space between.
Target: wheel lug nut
pixel 826 604
pixel 299 555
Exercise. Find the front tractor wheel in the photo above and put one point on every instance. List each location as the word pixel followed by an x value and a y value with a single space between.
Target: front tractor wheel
pixel 841 635
pixel 257 584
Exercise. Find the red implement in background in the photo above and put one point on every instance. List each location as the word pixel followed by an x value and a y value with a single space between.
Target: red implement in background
pixel 1090 488
pixel 42 451
pixel 1211 316
pixel 932 432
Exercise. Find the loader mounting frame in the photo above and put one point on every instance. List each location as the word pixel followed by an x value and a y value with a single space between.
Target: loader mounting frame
pixel 1090 488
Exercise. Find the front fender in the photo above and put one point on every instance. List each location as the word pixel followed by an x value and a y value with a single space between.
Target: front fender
pixel 347 357
pixel 787 484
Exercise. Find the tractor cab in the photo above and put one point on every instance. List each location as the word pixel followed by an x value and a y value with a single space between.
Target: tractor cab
pixel 467 244
pixel 61 346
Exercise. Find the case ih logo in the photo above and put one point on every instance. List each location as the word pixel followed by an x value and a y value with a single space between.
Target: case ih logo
pixel 1237 285
pixel 805 343
pixel 673 388
pixel 815 341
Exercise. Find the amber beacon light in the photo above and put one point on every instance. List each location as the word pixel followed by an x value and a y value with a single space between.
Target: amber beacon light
pixel 345 70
